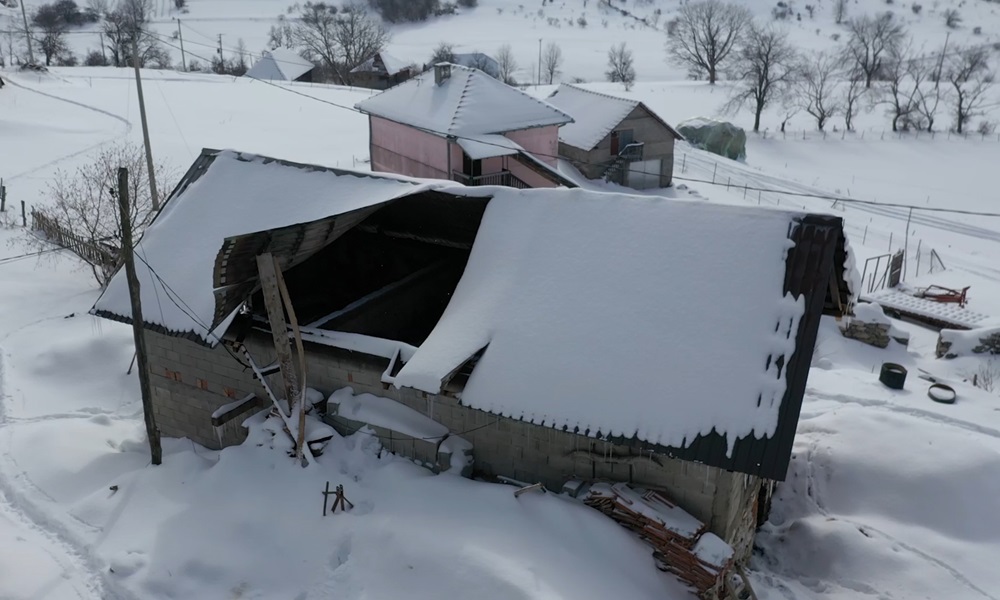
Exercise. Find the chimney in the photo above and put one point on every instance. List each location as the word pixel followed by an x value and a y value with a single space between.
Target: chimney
pixel 442 72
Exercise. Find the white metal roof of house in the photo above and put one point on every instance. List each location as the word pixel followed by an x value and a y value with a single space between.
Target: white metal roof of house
pixel 468 103
pixel 392 64
pixel 489 145
pixel 595 115
pixel 280 64
pixel 604 312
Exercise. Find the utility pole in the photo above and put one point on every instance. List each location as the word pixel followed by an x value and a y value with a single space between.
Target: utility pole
pixel 180 36
pixel 220 46
pixel 27 34
pixel 145 127
pixel 538 81
pixel 140 339
pixel 937 79
pixel 104 52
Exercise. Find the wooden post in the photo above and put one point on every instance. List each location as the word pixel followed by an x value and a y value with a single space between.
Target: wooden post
pixel 906 242
pixel 24 215
pixel 3 197
pixel 279 330
pixel 300 350
pixel 145 127
pixel 140 340
pixel 180 36
pixel 27 35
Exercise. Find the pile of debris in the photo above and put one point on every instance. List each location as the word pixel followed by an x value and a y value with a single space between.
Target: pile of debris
pixel 682 545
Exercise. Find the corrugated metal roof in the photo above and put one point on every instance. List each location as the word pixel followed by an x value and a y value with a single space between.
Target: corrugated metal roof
pixel 469 102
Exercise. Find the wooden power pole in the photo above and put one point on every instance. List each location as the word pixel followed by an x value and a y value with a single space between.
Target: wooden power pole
pixel 142 117
pixel 140 339
pixel 27 35
pixel 180 36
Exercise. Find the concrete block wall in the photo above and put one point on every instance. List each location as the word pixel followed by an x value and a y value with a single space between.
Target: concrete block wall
pixel 191 381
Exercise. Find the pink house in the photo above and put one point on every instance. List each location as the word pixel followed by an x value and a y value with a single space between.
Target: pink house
pixel 457 123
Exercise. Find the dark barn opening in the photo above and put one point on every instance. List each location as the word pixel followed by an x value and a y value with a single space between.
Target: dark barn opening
pixel 392 275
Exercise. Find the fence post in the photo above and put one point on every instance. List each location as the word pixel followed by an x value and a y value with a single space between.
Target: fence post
pixel 714 169
pixel 684 163
pixel 919 242
pixel 865 237
pixel 24 217
pixel 744 191
pixel 728 181
pixel 890 242
pixel 758 197
pixel 3 197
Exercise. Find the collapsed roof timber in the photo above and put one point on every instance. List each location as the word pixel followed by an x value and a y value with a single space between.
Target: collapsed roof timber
pixel 684 326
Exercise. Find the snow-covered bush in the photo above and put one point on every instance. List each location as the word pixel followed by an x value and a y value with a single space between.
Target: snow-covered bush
pixel 952 18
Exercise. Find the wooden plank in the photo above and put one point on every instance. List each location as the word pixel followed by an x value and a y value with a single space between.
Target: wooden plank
pixel 300 441
pixel 267 269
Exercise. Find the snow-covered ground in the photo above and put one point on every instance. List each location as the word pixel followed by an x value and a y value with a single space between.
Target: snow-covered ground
pixel 523 24
pixel 889 494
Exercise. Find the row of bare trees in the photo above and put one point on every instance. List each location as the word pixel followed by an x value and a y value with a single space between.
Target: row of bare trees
pixel 877 66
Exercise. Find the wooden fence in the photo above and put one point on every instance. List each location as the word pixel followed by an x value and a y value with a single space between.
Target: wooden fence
pixel 94 253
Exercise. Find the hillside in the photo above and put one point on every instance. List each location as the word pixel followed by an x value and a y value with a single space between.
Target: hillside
pixel 642 24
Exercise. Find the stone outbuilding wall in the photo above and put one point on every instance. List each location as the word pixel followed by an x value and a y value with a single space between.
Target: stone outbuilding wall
pixel 191 382
pixel 952 343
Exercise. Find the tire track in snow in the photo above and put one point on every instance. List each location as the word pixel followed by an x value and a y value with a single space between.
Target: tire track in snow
pixel 866 529
pixel 126 122
pixel 918 413
pixel 66 549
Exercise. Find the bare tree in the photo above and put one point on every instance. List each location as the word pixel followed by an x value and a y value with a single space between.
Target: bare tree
pixel 123 27
pixel 952 18
pixel 506 64
pixel 86 202
pixel 52 27
pixel 359 35
pixel 706 34
pixel 839 10
pixel 552 60
pixel 341 40
pixel 970 78
pixel 281 35
pixel 928 92
pixel 814 90
pixel 900 95
pixel 854 92
pixel 621 66
pixel 444 52
pixel 871 39
pixel 765 67
pixel 239 63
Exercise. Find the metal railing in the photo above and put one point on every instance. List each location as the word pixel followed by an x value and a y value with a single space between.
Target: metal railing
pixel 504 178
pixel 631 153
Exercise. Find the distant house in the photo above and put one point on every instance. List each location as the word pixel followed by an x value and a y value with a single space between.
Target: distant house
pixel 546 335
pixel 381 72
pixel 281 64
pixel 454 122
pixel 615 139
pixel 477 60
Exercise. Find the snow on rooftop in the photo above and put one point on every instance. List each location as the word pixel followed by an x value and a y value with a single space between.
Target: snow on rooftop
pixel 594 114
pixel 469 102
pixel 236 195
pixel 488 146
pixel 392 64
pixel 619 314
pixel 280 64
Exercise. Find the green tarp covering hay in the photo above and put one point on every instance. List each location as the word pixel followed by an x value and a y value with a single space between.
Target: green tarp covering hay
pixel 717 137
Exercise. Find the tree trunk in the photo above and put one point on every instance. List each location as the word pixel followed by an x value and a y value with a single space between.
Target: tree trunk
pixel 868 79
pixel 711 75
pixel 756 117
pixel 895 120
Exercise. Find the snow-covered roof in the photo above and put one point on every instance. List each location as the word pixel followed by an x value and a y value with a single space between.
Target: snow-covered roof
pixel 489 145
pixel 608 314
pixel 392 64
pixel 469 102
pixel 613 318
pixel 280 64
pixel 478 60
pixel 236 194
pixel 595 115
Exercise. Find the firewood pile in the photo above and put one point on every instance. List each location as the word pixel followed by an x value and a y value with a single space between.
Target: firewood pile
pixel 681 544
